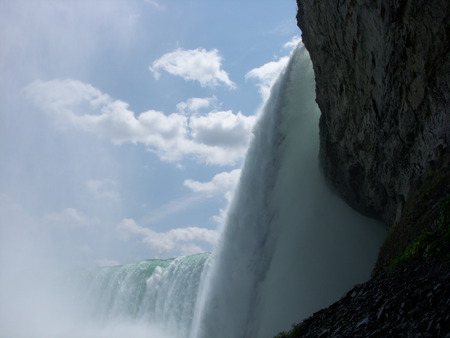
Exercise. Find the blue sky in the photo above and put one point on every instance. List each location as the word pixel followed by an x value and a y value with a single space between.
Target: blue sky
pixel 123 124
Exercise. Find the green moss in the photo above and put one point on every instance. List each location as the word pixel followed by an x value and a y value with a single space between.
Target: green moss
pixel 421 231
pixel 293 333
pixel 427 246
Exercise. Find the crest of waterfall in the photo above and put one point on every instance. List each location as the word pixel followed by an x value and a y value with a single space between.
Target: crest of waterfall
pixel 171 294
pixel 118 291
pixel 154 293
pixel 289 247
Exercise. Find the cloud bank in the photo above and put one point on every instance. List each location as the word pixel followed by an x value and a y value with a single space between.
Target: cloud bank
pixel 219 137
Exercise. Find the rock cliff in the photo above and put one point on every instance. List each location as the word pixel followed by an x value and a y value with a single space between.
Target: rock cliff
pixel 382 82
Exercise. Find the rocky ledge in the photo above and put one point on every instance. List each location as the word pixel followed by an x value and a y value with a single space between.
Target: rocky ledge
pixel 414 301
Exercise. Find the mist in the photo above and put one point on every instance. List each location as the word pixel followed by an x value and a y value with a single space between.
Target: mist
pixel 72 201
pixel 290 247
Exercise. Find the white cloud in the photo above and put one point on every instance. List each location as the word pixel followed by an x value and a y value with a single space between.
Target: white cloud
pixel 217 138
pixel 102 189
pixel 194 104
pixel 195 64
pixel 222 129
pixel 267 74
pixel 293 42
pixel 69 218
pixel 222 183
pixel 176 241
pixel 221 218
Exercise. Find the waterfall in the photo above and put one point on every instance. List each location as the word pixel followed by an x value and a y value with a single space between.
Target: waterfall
pixel 118 291
pixel 289 247
pixel 154 294
pixel 171 294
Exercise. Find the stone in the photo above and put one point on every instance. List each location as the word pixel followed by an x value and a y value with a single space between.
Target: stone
pixel 383 87
pixel 382 83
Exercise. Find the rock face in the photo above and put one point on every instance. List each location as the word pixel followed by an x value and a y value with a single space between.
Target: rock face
pixel 383 87
pixel 382 83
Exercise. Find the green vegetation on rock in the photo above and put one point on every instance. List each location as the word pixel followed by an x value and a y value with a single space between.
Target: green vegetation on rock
pixel 423 231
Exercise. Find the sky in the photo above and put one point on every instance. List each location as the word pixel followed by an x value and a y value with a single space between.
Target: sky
pixel 124 124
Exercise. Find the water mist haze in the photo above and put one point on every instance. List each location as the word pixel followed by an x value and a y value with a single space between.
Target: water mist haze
pixel 287 246
pixel 290 247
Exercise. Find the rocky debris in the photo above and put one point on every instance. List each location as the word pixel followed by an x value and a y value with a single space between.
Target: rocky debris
pixel 412 302
pixel 382 82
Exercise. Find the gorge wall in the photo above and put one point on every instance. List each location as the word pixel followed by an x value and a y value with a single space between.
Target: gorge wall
pixel 382 82
pixel 382 71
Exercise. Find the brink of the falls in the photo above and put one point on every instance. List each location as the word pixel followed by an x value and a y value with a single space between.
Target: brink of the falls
pixel 289 247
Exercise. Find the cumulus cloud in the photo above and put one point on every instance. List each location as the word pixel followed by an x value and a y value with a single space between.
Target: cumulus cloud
pixel 267 74
pixel 69 218
pixel 102 189
pixel 195 65
pixel 217 138
pixel 291 44
pixel 221 218
pixel 195 104
pixel 222 183
pixel 176 241
pixel 222 129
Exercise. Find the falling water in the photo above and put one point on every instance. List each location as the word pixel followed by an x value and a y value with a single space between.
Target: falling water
pixel 156 293
pixel 290 247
